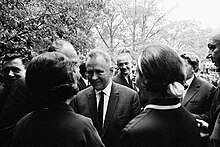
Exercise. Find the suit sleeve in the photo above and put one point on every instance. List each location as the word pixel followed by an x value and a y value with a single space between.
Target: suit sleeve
pixel 207 107
pixel 124 140
pixel 215 136
pixel 92 137
pixel 73 103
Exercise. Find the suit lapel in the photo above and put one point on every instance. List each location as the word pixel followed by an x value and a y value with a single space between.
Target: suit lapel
pixel 93 110
pixel 193 89
pixel 124 81
pixel 113 100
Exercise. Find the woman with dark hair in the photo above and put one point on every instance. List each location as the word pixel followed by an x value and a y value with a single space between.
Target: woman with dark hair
pixel 50 80
pixel 163 122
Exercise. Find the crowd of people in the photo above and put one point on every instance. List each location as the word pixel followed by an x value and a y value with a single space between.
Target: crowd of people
pixel 53 101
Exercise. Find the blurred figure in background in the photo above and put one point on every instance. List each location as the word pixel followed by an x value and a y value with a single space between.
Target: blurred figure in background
pixel 83 79
pixel 124 63
pixel 13 68
pixel 163 122
pixel 13 98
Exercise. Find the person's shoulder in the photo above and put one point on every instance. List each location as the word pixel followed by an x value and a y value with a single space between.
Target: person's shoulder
pixel 116 77
pixel 84 92
pixel 83 120
pixel 19 82
pixel 123 88
pixel 138 123
pixel 204 82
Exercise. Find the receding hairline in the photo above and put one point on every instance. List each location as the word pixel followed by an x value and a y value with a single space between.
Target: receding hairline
pixel 122 55
pixel 94 54
pixel 66 48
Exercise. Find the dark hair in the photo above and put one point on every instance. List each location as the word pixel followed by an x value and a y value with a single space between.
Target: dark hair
pixel 160 65
pixel 82 68
pixel 192 59
pixel 17 52
pixel 50 78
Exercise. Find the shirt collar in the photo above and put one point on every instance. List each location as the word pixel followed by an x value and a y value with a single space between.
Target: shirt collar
pixel 107 89
pixel 160 107
pixel 189 81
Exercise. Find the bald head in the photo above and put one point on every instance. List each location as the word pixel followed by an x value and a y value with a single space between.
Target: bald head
pixel 65 48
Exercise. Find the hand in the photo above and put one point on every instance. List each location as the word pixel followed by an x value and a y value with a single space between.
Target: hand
pixel 202 123
pixel 203 127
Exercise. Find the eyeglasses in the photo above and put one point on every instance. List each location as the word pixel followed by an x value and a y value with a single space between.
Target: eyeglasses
pixel 212 47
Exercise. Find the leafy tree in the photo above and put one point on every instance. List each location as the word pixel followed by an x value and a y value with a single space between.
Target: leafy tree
pixel 36 24
pixel 186 35
pixel 130 24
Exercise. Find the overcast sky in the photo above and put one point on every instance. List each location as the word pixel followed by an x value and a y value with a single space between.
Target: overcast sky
pixel 205 11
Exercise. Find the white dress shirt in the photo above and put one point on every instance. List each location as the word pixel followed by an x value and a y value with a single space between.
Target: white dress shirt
pixel 107 92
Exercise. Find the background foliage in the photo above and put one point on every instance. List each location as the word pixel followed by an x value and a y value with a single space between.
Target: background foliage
pixel 110 25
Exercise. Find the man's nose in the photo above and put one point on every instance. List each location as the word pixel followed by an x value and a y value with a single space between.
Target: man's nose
pixel 94 76
pixel 209 56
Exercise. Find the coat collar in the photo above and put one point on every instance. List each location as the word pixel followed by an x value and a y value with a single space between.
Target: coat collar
pixel 61 106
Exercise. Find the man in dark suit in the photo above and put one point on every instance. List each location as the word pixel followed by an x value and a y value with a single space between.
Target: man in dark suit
pixel 214 125
pixel 13 68
pixel 124 77
pixel 82 82
pixel 110 105
pixel 54 123
pixel 196 98
pixel 13 72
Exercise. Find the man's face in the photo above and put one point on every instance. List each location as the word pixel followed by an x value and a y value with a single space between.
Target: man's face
pixel 98 72
pixel 214 51
pixel 189 69
pixel 124 64
pixel 13 70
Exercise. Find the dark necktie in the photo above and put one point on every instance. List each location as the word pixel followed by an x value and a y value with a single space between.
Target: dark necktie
pixel 130 82
pixel 100 108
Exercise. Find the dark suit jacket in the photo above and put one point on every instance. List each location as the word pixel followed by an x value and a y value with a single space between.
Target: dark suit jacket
pixel 215 109
pixel 16 106
pixel 81 84
pixel 161 128
pixel 197 99
pixel 120 79
pixel 215 134
pixel 122 107
pixel 57 126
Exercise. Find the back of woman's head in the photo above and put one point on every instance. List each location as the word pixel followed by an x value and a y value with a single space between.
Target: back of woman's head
pixel 50 76
pixel 161 66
